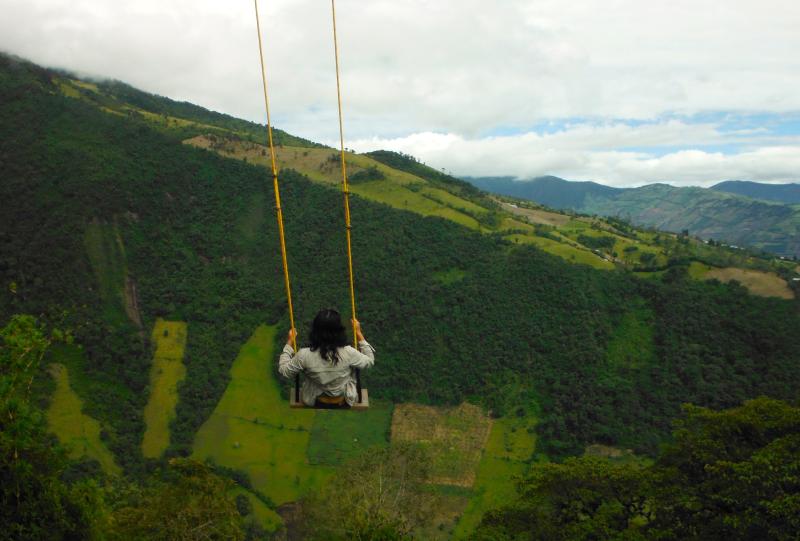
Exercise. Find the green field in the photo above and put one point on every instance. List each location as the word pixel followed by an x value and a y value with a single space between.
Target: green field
pixel 253 430
pixel 107 258
pixel 505 457
pixel 698 270
pixel 263 515
pixel 398 196
pixel 454 437
pixel 450 276
pixel 565 251
pixel 632 344
pixel 165 374
pixel 75 430
pixel 339 435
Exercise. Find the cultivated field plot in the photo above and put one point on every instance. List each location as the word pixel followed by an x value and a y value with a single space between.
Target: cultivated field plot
pixel 253 430
pixel 74 429
pixel 509 449
pixel 337 436
pixel 165 374
pixel 537 216
pixel 764 284
pixel 454 436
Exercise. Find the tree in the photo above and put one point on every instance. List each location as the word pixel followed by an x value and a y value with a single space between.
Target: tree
pixel 192 503
pixel 379 496
pixel 728 475
pixel 34 502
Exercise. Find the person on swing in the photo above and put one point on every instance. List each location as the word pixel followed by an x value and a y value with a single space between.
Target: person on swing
pixel 328 362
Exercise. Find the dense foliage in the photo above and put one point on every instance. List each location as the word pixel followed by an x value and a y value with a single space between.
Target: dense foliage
pixel 454 314
pixel 727 475
pixel 34 501
pixel 378 496
pixel 45 496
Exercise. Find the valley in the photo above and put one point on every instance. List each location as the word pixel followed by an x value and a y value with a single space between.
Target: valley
pixel 509 335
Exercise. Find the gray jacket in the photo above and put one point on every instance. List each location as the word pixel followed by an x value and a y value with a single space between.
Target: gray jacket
pixel 324 377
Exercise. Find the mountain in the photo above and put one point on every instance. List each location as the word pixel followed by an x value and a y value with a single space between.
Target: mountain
pixel 552 191
pixel 146 228
pixel 706 213
pixel 781 193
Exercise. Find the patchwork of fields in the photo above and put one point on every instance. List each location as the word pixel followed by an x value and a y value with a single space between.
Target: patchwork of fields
pixel 286 453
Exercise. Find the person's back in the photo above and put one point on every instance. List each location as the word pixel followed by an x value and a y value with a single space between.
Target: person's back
pixel 328 363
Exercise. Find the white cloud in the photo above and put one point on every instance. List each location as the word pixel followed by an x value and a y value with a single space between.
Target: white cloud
pixel 463 67
pixel 590 152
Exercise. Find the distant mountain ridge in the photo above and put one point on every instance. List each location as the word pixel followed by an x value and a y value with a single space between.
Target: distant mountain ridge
pixel 552 191
pixel 768 222
pixel 782 193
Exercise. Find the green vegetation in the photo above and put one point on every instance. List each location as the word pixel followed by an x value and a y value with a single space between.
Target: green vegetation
pixel 338 436
pixel 258 513
pixel 705 213
pixel 166 373
pixel 188 501
pixel 253 430
pixel 710 483
pixel 511 445
pixel 380 494
pixel 450 276
pixel 75 430
pixel 571 253
pixel 452 437
pixel 632 345
pixel 35 502
pixel 461 297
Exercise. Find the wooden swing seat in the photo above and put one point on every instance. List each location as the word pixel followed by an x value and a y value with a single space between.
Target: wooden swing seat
pixel 360 406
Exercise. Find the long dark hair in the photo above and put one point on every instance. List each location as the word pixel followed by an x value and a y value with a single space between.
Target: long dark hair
pixel 328 334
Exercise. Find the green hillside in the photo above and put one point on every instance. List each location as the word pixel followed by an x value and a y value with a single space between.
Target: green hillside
pixel 770 222
pixel 527 314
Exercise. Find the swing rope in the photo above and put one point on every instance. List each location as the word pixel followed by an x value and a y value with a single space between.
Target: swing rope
pixel 346 196
pixel 276 188
pixel 345 193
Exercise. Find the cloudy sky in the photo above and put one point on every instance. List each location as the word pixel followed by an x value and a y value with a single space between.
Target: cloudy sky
pixel 624 92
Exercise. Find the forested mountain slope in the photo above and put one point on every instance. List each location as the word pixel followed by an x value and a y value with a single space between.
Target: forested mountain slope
pixel 706 213
pixel 110 221
pixel 781 193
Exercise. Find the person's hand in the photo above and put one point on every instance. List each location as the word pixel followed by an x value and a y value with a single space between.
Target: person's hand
pixel 291 338
pixel 357 328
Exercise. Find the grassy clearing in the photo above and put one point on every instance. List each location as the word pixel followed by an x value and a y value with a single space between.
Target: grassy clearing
pixel 165 374
pixel 252 219
pixel 632 344
pixel 698 270
pixel 564 251
pixel 763 284
pixel 510 445
pixel 454 436
pixel 77 431
pixel 253 430
pixel 68 90
pixel 537 216
pixel 450 276
pixel 447 505
pixel 107 259
pixel 398 196
pixel 339 435
pixel 263 515
pixel 450 200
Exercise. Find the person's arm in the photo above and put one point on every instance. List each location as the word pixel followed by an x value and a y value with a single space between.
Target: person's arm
pixel 366 353
pixel 288 362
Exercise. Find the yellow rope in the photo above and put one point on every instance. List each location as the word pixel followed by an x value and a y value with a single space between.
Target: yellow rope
pixel 278 209
pixel 345 189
